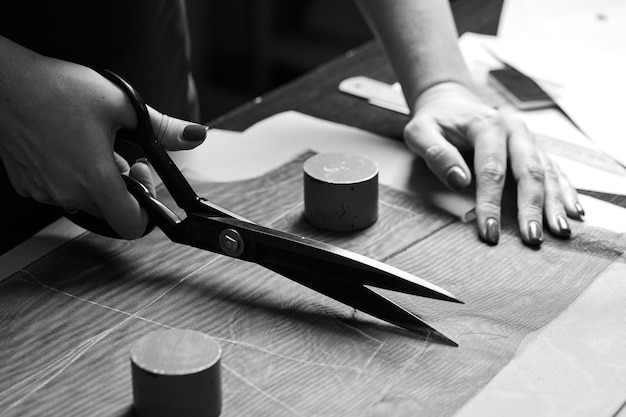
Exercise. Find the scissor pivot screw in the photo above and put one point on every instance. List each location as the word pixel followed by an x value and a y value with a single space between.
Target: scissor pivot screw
pixel 231 242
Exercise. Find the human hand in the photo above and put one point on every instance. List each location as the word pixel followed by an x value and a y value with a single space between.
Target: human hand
pixel 57 135
pixel 449 119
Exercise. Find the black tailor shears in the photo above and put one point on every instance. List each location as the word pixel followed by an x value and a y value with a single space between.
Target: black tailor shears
pixel 332 271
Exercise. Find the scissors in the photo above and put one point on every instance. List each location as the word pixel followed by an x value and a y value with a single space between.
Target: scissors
pixel 335 272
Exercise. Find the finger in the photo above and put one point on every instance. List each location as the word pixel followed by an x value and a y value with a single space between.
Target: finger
pixel 490 164
pixel 573 208
pixel 554 210
pixel 424 138
pixel 529 173
pixel 141 172
pixel 118 207
pixel 175 134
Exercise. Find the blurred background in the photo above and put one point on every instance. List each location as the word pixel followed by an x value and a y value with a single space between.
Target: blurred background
pixel 244 48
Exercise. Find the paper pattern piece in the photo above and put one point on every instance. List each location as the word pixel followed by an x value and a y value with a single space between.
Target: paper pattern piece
pixel 68 320
pixel 575 366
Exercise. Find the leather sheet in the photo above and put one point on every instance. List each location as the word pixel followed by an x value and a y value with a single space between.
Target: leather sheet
pixel 68 321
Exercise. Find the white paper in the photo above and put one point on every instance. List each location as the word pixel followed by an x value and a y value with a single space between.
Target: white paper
pixel 278 139
pixel 579 45
pixel 562 19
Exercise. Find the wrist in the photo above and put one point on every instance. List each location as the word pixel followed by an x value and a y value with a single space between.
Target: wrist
pixel 447 88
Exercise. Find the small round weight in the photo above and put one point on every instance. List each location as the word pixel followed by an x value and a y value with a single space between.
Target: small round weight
pixel 176 372
pixel 340 191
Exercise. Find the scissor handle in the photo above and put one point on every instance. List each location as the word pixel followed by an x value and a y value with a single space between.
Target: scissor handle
pixel 143 136
pixel 101 227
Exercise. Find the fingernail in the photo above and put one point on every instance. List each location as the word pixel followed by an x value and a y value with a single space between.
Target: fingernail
pixel 492 231
pixel 579 209
pixel 563 226
pixel 535 234
pixel 142 161
pixel 456 178
pixel 194 133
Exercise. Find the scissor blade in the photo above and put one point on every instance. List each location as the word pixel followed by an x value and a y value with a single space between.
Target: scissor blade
pixel 365 300
pixel 303 254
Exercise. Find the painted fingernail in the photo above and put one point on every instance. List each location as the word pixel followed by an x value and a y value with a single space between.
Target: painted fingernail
pixel 492 231
pixel 564 229
pixel 579 209
pixel 194 133
pixel 142 161
pixel 456 178
pixel 535 234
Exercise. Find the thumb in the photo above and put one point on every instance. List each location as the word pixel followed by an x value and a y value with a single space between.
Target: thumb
pixel 424 137
pixel 176 134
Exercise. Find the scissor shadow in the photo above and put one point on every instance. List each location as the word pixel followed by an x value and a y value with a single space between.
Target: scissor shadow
pixel 320 320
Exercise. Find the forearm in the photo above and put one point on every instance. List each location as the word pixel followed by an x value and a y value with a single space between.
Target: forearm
pixel 420 39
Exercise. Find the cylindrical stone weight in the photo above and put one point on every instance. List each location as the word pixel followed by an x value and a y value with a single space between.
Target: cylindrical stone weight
pixel 176 372
pixel 340 191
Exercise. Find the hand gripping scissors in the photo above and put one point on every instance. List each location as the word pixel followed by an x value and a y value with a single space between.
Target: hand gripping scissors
pixel 335 272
